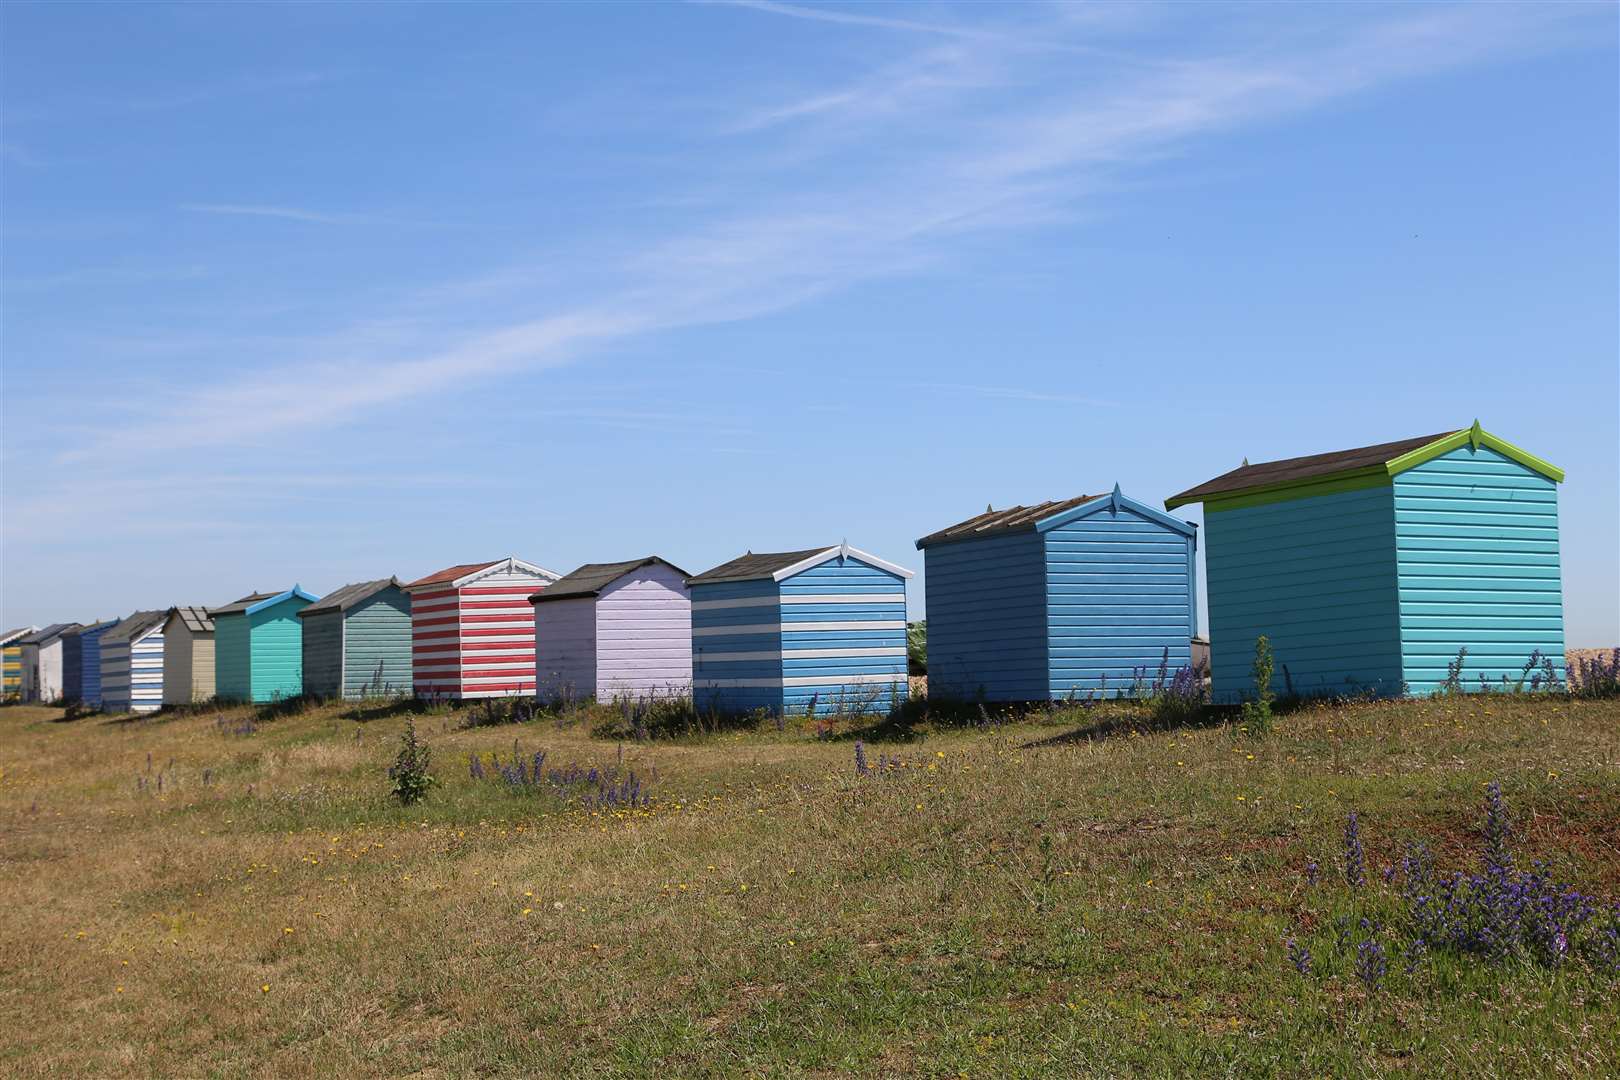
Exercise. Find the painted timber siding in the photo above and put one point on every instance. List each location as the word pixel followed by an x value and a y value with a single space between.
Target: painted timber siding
pixel 843 638
pixel 323 654
pixel 188 665
pixel 1316 575
pixel 73 666
pixel 1119 596
pixel 90 664
pixel 132 673
pixel 987 618
pixel 233 667
pixel 11 664
pixel 643 635
pixel 436 642
pixel 1476 538
pixel 472 635
pixel 377 646
pixel 42 672
pixel 736 646
pixel 497 634
pixel 565 649
pixel 277 650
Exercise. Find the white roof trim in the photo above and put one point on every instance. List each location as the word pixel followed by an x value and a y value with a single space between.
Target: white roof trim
pixel 511 562
pixel 835 552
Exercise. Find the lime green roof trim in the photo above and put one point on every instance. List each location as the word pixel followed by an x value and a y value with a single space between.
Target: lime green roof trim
pixel 1476 437
pixel 1355 480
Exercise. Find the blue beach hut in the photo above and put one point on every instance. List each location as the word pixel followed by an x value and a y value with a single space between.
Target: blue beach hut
pixel 81 664
pixel 1371 569
pixel 1060 599
pixel 775 630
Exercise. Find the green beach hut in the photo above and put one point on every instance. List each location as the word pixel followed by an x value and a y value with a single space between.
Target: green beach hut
pixel 357 642
pixel 259 646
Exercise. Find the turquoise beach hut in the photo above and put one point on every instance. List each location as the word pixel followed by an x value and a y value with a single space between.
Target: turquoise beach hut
pixel 357 641
pixel 1371 570
pixel 1058 600
pixel 259 646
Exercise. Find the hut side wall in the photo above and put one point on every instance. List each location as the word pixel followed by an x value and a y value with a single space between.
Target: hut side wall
pixel 42 672
pixel 11 672
pixel 436 643
pixel 90 678
pixel 643 635
pixel 565 649
pixel 737 646
pixel 179 656
pixel 72 667
pixel 1317 576
pixel 377 646
pixel 233 667
pixel 987 618
pixel 1477 550
pixel 30 673
pixel 322 647
pixel 843 638
pixel 1119 596
pixel 277 647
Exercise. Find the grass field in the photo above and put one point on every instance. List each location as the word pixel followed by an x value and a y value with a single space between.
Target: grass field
pixel 1014 901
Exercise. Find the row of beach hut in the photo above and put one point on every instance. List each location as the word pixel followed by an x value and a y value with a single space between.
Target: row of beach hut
pixel 1369 571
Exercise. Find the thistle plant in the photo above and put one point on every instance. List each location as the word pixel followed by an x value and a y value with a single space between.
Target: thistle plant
pixel 410 769
pixel 1257 713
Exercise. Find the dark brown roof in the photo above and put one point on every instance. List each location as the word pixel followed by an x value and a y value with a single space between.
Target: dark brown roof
pixel 134 626
pixel 238 606
pixel 592 578
pixel 194 619
pixel 451 573
pixel 1013 519
pixel 750 567
pixel 349 595
pixel 1288 470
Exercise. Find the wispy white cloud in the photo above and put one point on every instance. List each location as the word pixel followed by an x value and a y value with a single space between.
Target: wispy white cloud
pixel 989 144
pixel 285 213
pixel 849 18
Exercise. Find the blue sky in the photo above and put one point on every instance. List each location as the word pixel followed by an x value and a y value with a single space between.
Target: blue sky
pixel 324 293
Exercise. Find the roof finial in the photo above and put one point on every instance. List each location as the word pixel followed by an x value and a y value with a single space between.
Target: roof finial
pixel 989 509
pixel 1474 434
pixel 1245 463
pixel 1113 500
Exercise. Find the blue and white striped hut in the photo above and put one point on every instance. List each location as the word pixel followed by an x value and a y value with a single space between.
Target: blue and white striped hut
pixel 132 664
pixel 773 631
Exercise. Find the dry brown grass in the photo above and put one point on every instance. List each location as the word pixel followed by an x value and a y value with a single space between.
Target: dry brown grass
pixel 771 913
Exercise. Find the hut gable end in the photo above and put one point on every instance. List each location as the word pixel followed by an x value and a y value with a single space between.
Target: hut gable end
pixel 1477 563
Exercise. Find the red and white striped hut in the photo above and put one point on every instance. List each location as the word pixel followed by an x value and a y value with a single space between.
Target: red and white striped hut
pixel 472 629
